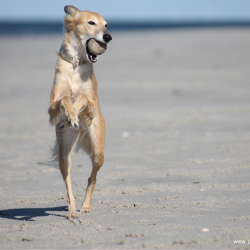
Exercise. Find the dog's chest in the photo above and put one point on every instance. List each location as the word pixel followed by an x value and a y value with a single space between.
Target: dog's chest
pixel 81 84
pixel 76 84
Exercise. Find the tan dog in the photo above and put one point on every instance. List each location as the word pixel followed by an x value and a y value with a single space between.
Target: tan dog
pixel 74 105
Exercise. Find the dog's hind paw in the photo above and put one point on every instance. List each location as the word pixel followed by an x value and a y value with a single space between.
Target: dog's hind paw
pixel 86 210
pixel 71 216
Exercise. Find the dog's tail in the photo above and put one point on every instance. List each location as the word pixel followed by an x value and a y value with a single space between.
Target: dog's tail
pixel 54 152
pixel 69 137
pixel 53 155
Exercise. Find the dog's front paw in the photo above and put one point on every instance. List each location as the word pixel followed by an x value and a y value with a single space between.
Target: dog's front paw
pixel 89 115
pixel 91 112
pixel 72 119
pixel 87 122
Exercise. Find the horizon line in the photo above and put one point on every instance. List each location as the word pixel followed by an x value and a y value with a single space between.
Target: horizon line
pixel 45 26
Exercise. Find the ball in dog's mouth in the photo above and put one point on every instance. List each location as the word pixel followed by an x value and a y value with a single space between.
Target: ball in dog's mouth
pixel 95 48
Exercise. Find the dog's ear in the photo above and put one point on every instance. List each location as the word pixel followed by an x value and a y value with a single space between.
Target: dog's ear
pixel 70 10
pixel 69 20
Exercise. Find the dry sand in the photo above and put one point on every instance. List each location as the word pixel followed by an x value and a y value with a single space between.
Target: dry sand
pixel 176 171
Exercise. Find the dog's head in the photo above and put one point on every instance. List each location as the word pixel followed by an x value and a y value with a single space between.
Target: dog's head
pixel 86 25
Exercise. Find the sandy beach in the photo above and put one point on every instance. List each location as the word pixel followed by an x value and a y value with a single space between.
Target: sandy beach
pixel 177 155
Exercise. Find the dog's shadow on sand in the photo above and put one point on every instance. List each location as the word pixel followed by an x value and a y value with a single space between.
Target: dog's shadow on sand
pixel 27 214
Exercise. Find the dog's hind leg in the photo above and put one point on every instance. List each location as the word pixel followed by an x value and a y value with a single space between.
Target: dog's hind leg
pixel 97 162
pixel 94 146
pixel 67 139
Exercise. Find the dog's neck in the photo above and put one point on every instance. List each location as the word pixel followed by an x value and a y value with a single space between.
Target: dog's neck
pixel 71 48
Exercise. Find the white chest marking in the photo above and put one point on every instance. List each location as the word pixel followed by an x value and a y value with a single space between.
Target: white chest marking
pixel 81 84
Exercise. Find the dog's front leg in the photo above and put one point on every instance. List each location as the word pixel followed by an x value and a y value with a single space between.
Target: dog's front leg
pixel 69 112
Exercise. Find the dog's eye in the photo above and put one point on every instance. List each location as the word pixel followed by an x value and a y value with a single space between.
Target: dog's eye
pixel 106 25
pixel 91 23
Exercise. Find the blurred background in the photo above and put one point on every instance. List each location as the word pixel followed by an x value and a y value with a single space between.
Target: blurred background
pixel 29 16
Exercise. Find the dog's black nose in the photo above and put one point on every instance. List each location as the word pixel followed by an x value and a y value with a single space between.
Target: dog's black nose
pixel 107 37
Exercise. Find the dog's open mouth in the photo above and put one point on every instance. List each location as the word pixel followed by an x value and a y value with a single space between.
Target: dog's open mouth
pixel 91 56
pixel 95 48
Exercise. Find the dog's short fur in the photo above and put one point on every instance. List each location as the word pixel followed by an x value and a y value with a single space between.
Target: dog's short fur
pixel 74 105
